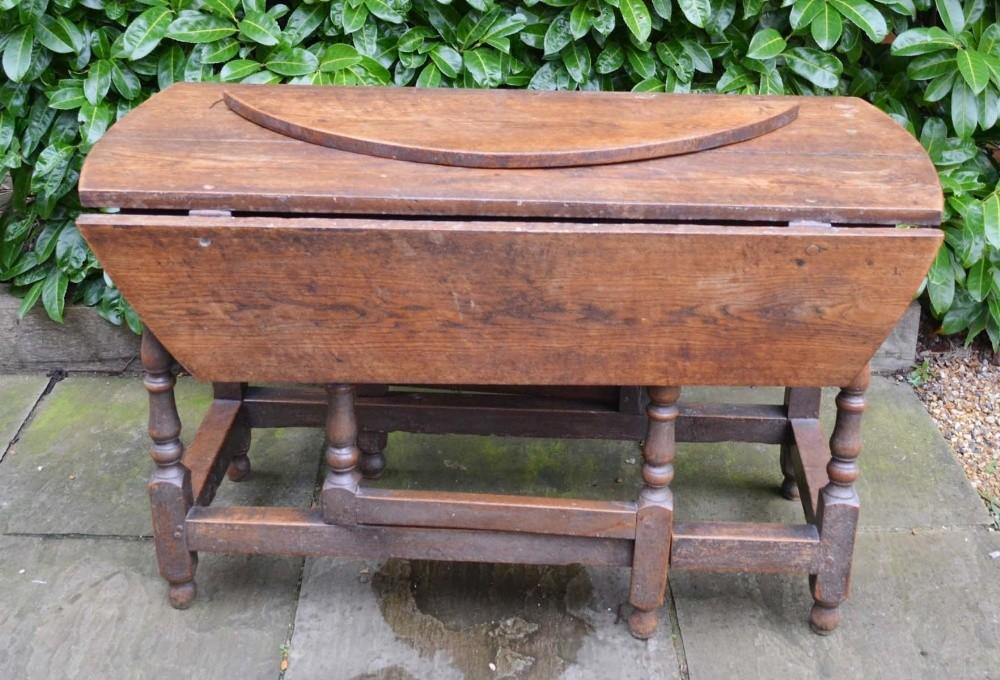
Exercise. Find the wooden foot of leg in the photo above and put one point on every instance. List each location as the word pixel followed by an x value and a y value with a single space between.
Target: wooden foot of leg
pixel 789 487
pixel 642 624
pixel 239 462
pixel 239 467
pixel 654 517
pixel 182 594
pixel 372 445
pixel 823 619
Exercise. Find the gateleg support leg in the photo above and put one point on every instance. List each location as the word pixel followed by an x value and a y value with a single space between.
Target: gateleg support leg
pixel 340 489
pixel 838 509
pixel 372 446
pixel 239 465
pixel 800 402
pixel 170 486
pixel 655 513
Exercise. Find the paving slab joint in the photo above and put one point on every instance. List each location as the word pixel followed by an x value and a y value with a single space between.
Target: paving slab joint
pixel 683 673
pixel 54 377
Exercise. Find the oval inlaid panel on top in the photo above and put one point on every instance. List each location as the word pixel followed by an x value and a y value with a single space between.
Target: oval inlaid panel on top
pixel 493 129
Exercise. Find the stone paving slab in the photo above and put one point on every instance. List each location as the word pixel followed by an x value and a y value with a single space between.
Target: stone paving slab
pixel 85 453
pixel 448 621
pixel 909 477
pixel 96 608
pixel 923 606
pixel 417 619
pixel 513 465
pixel 18 394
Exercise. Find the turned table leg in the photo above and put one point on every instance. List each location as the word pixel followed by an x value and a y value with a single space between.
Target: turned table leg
pixel 837 512
pixel 654 517
pixel 372 446
pixel 800 402
pixel 342 455
pixel 170 485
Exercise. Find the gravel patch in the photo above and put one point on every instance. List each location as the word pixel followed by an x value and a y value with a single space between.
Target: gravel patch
pixel 961 389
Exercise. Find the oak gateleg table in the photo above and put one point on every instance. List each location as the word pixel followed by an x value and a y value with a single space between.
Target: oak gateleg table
pixel 560 268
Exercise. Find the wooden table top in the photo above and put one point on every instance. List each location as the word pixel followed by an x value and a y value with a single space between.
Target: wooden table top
pixel 840 160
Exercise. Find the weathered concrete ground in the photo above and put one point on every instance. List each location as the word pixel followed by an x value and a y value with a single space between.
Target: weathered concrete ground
pixel 80 596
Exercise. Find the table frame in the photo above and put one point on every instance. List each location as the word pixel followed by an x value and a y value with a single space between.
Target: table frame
pixel 360 522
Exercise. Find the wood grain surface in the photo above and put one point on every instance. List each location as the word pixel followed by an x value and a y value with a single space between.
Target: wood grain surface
pixel 409 301
pixel 507 128
pixel 840 161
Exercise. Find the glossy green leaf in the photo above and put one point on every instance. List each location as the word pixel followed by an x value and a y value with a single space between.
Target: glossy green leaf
pixel 676 59
pixel 978 281
pixel 766 44
pixel 67 97
pixel 940 87
pixel 635 14
pixel 964 114
pixel 303 22
pixel 974 69
pixel 557 36
pixel 145 32
pixel 170 66
pixel 98 81
pixel 932 65
pixel 199 28
pixel 483 64
pixel 448 61
pixel 663 8
pixel 642 63
pixel 70 250
pixel 94 121
pixel 580 20
pixel 124 80
pixel 952 15
pixel 771 82
pixel 826 27
pixel 17 53
pixel 220 51
pixel 576 59
pixel 863 15
pixel 700 57
pixel 339 56
pixel 30 299
pixel 354 17
pixel 6 129
pixel 649 85
pixel 991 219
pixel 54 294
pixel 610 59
pixel 239 69
pixel 225 9
pixel 922 41
pixel 989 41
pixel 294 61
pixel 430 76
pixel 53 35
pixel 260 28
pixel 384 10
pixel 803 12
pixel 821 69
pixel 941 282
pixel 698 12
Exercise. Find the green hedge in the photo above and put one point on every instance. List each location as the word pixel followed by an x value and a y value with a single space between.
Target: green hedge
pixel 76 66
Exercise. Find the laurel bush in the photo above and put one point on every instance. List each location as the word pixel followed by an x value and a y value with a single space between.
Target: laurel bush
pixel 74 67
